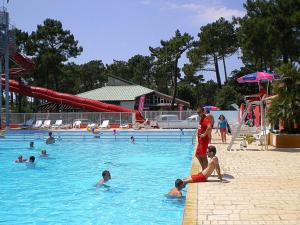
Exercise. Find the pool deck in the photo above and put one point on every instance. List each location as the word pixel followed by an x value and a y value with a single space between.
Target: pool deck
pixel 264 188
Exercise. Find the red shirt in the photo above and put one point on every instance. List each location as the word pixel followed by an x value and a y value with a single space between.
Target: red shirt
pixel 203 124
pixel 262 92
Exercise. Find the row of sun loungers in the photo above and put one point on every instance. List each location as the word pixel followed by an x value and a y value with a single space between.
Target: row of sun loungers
pixel 46 124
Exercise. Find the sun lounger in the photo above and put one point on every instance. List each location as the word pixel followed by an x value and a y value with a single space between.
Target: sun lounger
pixel 38 124
pixel 92 125
pixel 27 124
pixel 57 124
pixel 76 124
pixel 105 124
pixel 46 124
pixel 125 126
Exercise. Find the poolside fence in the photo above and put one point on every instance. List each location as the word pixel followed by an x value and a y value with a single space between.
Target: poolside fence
pixel 117 118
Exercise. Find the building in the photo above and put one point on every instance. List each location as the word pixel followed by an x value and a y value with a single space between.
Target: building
pixel 126 94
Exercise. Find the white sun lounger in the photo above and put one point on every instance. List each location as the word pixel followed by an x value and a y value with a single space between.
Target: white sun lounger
pixel 46 124
pixel 76 124
pixel 105 124
pixel 57 124
pixel 38 124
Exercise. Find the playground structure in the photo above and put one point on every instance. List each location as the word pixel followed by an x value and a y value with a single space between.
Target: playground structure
pixel 26 66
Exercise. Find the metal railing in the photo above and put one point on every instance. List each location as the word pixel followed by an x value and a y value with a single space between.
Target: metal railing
pixel 113 117
pixel 98 137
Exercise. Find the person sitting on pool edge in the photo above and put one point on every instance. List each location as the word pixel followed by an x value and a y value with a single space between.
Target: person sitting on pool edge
pixel 213 165
pixel 20 159
pixel 105 177
pixel 176 191
pixel 50 139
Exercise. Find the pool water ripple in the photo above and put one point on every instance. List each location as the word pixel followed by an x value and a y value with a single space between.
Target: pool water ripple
pixel 62 190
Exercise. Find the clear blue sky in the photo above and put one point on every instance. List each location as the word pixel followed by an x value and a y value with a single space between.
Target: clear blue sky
pixel 120 29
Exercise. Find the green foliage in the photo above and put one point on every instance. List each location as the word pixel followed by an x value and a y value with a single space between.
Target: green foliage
pixel 51 45
pixel 217 40
pixel 227 96
pixel 140 68
pixel 166 59
pixel 206 93
pixel 286 106
pixel 269 33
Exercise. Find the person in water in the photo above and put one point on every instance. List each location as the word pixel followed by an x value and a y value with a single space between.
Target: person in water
pixel 44 153
pixel 31 162
pixel 20 159
pixel 50 139
pixel 31 144
pixel 105 177
pixel 176 191
pixel 132 139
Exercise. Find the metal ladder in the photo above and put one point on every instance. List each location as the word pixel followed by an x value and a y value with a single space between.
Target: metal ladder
pixel 242 122
pixel 237 133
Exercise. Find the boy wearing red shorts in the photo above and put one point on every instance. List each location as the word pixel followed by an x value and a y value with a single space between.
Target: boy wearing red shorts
pixel 203 138
pixel 213 165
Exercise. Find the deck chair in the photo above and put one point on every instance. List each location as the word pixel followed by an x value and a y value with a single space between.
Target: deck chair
pixel 57 124
pixel 27 124
pixel 105 124
pixel 124 126
pixel 46 124
pixel 38 124
pixel 76 124
pixel 92 125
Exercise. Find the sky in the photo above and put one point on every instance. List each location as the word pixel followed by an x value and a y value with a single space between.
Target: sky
pixel 119 29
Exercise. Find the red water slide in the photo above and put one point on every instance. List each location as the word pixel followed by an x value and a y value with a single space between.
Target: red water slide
pixel 62 98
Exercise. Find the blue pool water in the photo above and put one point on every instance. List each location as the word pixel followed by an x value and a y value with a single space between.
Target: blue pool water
pixel 60 190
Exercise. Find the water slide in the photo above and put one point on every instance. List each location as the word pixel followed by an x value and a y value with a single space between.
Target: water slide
pixel 61 98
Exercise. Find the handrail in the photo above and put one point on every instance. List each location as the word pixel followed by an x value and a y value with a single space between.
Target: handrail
pixel 63 137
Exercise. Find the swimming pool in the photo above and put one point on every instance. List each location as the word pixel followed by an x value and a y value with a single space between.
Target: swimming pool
pixel 60 190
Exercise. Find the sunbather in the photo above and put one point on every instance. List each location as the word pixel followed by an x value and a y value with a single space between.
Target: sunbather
pixel 213 164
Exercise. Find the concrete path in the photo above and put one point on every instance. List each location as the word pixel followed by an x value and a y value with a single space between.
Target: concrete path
pixel 264 188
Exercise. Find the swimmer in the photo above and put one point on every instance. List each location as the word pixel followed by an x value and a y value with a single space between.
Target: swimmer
pixel 20 159
pixel 44 153
pixel 50 139
pixel 31 163
pixel 114 132
pixel 176 191
pixel 105 177
pixel 31 144
pixel 132 139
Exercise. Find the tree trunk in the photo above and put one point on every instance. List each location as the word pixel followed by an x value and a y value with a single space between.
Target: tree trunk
pixel 175 74
pixel 285 58
pixel 225 72
pixel 217 71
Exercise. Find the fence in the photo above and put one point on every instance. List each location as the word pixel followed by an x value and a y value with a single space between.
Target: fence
pixel 118 118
